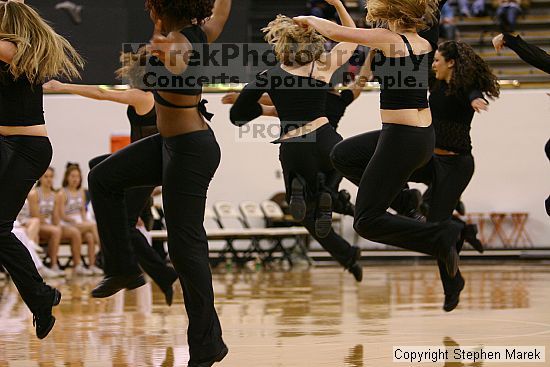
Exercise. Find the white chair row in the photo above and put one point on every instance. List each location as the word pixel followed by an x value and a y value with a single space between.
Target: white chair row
pixel 247 233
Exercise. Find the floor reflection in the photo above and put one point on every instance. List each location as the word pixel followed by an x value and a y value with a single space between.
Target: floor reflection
pixel 318 317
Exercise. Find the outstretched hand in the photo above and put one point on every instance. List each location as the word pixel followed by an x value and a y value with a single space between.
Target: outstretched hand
pixel 302 20
pixel 479 104
pixel 498 42
pixel 52 86
pixel 230 98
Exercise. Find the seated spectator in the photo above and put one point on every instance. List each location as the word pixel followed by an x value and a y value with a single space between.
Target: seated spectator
pixel 42 208
pixel 71 207
pixel 507 14
pixel 447 23
pixel 476 8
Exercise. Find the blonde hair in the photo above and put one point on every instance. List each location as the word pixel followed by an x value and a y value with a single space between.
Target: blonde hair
pixel 293 43
pixel 41 53
pixel 133 67
pixel 404 14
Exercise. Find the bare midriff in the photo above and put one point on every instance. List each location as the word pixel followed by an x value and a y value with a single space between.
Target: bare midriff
pixel 177 121
pixel 36 130
pixel 411 117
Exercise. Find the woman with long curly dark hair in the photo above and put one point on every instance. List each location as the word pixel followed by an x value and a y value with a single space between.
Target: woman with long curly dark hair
pixel 462 80
pixel 182 158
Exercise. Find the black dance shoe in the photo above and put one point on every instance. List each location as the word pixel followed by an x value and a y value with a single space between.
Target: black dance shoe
pixel 297 205
pixel 460 208
pixel 354 267
pixel 218 358
pixel 469 233
pixel 342 204
pixel 168 290
pixel 323 223
pixel 44 320
pixel 452 299
pixel 112 284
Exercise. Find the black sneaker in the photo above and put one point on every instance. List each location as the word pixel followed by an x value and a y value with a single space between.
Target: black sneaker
pixel 297 205
pixel 323 223
pixel 343 204
pixel 452 299
pixel 218 358
pixel 168 289
pixel 469 233
pixel 44 321
pixel 460 208
pixel 112 284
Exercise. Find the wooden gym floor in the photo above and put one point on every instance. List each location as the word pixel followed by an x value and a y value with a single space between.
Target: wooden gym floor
pixel 317 317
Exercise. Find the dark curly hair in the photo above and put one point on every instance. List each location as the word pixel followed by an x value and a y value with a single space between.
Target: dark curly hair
pixel 470 70
pixel 196 11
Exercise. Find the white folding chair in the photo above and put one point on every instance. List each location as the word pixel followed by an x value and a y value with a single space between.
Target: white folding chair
pixel 229 218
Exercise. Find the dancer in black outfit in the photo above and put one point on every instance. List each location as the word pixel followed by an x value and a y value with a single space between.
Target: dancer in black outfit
pixel 462 79
pixel 306 135
pixel 143 119
pixel 532 55
pixel 183 159
pixel 406 141
pixel 30 52
pixel 335 107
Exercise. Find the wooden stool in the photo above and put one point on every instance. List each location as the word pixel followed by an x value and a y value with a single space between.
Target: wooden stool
pixel 498 231
pixel 479 220
pixel 520 232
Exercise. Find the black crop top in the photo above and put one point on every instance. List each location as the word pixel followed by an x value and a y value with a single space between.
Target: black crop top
pixel 403 80
pixel 188 83
pixel 298 99
pixel 452 117
pixel 21 103
pixel 142 126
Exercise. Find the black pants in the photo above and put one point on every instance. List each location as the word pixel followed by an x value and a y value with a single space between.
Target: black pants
pixel 381 163
pixel 447 177
pixel 184 165
pixel 136 200
pixel 304 158
pixel 23 160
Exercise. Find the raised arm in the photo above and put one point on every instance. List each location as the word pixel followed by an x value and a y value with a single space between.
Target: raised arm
pixel 213 27
pixel 343 51
pixel 7 51
pixel 375 38
pixel 529 53
pixel 134 97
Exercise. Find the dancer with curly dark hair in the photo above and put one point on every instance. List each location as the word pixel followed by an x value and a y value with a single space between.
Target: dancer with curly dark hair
pixel 381 163
pixel 30 53
pixel 183 159
pixel 463 79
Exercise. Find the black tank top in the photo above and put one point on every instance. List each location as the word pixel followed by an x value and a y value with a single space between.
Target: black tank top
pixel 401 85
pixel 299 100
pixel 21 103
pixel 142 126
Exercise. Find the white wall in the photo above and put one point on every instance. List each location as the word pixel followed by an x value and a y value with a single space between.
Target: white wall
pixel 512 172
